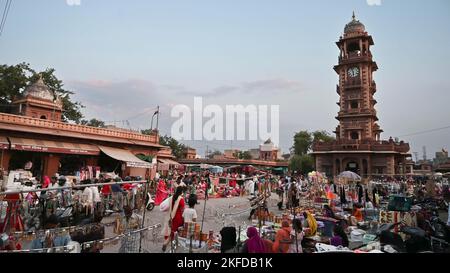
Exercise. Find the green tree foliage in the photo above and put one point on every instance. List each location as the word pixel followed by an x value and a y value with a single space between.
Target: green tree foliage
pixel 303 141
pixel 93 123
pixel 211 155
pixel 323 136
pixel 178 148
pixel 14 79
pixel 243 155
pixel 301 163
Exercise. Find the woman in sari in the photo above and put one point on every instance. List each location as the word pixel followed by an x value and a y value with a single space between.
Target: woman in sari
pixel 174 219
pixel 254 243
pixel 161 192
pixel 310 224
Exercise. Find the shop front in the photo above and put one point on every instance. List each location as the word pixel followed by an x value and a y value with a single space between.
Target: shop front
pixel 46 157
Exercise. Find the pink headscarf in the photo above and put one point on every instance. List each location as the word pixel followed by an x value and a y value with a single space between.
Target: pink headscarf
pixel 254 243
pixel 46 182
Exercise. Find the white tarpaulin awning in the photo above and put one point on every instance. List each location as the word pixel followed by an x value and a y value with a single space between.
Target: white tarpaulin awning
pixel 125 156
pixel 168 161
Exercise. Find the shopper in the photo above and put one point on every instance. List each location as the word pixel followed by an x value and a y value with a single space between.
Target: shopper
pixel 174 219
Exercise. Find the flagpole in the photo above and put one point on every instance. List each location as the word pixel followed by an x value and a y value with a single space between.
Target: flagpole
pixel 157 119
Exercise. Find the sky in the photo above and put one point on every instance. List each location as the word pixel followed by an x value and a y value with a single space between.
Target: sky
pixel 123 58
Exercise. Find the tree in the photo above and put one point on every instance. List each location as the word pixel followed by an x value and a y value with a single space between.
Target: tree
pixel 93 123
pixel 302 143
pixel 302 163
pixel 178 148
pixel 323 136
pixel 243 155
pixel 14 79
pixel 216 152
pixel 304 140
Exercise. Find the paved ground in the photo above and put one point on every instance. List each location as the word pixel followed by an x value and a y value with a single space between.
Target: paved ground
pixel 239 207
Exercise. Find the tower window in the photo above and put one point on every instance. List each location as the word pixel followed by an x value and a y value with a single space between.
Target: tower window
pixel 354 135
pixel 354 105
pixel 353 48
pixel 43 117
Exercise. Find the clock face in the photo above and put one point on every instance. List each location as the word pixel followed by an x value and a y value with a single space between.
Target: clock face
pixel 353 72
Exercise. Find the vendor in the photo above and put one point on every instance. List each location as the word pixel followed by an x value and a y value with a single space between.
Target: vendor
pixel 356 215
pixel 339 238
pixel 328 212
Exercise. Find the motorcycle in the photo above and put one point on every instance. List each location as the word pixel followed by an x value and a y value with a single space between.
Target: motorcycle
pixel 417 240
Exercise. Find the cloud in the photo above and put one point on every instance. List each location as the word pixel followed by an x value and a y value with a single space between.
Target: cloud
pixel 374 2
pixel 272 85
pixel 259 86
pixel 132 99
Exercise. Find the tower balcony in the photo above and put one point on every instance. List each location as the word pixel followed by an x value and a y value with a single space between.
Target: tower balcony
pixel 354 57
pixel 355 112
pixel 353 97
pixel 367 145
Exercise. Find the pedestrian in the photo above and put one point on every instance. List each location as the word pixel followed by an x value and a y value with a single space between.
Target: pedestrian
pixel 174 218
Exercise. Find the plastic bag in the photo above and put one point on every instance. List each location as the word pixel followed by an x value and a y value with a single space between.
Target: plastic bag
pixel 165 205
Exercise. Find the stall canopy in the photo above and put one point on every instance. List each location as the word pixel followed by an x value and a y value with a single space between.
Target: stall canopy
pixel 125 156
pixel 47 146
pixel 4 144
pixel 167 161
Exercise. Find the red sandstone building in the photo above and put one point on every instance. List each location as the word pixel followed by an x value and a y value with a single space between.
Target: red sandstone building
pixel 35 134
pixel 358 146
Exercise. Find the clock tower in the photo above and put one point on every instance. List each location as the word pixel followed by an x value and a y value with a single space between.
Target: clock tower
pixel 357 116
pixel 358 146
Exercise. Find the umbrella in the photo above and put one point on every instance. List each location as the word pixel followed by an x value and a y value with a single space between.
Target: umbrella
pixel 438 174
pixel 350 175
pixel 216 169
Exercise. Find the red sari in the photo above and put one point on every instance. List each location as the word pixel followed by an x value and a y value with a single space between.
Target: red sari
pixel 178 220
pixel 161 193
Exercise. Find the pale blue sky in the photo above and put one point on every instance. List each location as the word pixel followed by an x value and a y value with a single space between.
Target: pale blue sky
pixel 122 57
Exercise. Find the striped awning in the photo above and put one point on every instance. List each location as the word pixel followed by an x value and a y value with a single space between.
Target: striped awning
pixel 47 146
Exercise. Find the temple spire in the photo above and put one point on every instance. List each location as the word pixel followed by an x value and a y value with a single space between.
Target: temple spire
pixel 354 17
